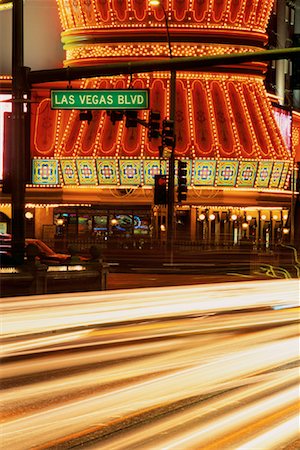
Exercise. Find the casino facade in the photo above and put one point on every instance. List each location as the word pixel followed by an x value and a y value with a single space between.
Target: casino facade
pixel 95 179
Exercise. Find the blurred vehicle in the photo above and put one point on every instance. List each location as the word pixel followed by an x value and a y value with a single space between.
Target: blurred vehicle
pixel 6 260
pixel 45 253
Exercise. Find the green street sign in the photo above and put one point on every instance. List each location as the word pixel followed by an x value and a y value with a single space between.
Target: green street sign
pixel 100 99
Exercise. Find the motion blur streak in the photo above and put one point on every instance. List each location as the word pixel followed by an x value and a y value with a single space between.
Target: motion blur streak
pixel 234 421
pixel 164 362
pixel 185 368
pixel 279 435
pixel 264 385
pixel 45 313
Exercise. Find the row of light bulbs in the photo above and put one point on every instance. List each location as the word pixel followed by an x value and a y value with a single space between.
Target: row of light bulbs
pixel 90 51
pixel 234 217
pixel 75 14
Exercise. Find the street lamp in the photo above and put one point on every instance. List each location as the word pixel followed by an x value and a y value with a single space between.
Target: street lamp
pixel 171 183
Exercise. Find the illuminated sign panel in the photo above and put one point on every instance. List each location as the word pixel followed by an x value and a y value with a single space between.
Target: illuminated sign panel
pixel 100 99
pixel 283 118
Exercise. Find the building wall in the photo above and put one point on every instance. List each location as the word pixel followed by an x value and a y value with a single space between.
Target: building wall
pixel 42 46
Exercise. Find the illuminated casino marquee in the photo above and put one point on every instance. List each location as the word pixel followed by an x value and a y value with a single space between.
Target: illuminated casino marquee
pixel 225 126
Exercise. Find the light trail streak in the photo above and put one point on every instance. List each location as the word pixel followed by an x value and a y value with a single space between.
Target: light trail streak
pixel 131 332
pixel 105 409
pixel 42 314
pixel 279 435
pixel 154 434
pixel 210 435
pixel 176 359
pixel 81 364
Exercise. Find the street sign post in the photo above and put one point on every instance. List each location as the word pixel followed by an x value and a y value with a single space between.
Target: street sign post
pixel 100 99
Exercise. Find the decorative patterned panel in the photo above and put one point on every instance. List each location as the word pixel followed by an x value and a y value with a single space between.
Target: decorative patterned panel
pixel 74 127
pixel 110 132
pixel 183 141
pixel 264 173
pixel 139 8
pixel 64 117
pixel 181 7
pixel 227 173
pixel 131 137
pixel 88 10
pixel 241 122
pixel 102 9
pixel 276 174
pixel 247 173
pixel 107 171
pixel 130 171
pixel 45 171
pixel 200 9
pixel 89 134
pixel 236 8
pixel 201 119
pixel 223 121
pixel 271 125
pixel 284 175
pixel 69 171
pixel 86 171
pixel 153 167
pixel 257 123
pixel 158 100
pixel 204 173
pixel 120 9
pixel 249 11
pixel 219 9
pixel 45 128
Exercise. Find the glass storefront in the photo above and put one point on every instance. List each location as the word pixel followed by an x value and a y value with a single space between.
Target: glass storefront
pixel 102 223
pixel 205 226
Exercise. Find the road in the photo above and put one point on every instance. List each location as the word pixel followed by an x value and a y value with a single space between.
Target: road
pixel 210 366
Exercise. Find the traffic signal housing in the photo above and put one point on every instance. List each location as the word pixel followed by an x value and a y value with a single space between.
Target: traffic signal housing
pixel 182 181
pixel 131 119
pixel 154 125
pixel 160 189
pixel 115 115
pixel 86 116
pixel 168 133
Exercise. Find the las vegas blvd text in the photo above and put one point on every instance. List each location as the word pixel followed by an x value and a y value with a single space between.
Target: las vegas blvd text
pixel 96 99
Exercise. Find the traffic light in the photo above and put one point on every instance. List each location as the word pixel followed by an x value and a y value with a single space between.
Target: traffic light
pixel 168 133
pixel 164 152
pixel 182 181
pixel 115 115
pixel 154 125
pixel 86 116
pixel 160 189
pixel 131 119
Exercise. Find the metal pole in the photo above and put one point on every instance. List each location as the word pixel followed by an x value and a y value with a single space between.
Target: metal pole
pixel 171 183
pixel 292 232
pixel 18 135
pixel 194 63
pixel 171 178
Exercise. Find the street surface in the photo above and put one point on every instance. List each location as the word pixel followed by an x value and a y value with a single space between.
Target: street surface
pixel 187 367
pixel 137 280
